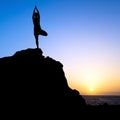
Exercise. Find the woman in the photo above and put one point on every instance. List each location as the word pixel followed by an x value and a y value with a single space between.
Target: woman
pixel 37 27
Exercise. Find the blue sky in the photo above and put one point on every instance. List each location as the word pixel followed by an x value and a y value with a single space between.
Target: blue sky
pixel 84 35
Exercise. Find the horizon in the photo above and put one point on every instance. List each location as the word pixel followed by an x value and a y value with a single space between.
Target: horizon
pixel 84 35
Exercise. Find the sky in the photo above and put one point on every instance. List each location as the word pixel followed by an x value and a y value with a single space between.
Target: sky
pixel 84 35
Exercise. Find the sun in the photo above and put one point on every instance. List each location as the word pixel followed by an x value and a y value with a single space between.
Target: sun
pixel 91 89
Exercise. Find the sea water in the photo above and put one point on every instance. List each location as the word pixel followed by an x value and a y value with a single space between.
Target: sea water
pixel 102 99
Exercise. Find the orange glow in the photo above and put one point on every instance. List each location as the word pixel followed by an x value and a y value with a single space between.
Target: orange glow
pixel 95 81
pixel 91 89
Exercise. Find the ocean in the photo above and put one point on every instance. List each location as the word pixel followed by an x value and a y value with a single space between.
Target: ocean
pixel 101 99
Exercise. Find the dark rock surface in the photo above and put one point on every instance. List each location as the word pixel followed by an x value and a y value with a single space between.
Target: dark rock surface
pixel 33 82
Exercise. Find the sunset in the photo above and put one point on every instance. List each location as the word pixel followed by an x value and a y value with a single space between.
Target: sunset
pixel 84 35
pixel 60 59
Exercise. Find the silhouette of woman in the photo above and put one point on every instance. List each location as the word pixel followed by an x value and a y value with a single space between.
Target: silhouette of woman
pixel 37 27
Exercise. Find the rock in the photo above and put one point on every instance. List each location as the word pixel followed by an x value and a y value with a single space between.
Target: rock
pixel 30 80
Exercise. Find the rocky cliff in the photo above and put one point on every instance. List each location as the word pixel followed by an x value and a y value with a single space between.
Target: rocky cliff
pixel 30 80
